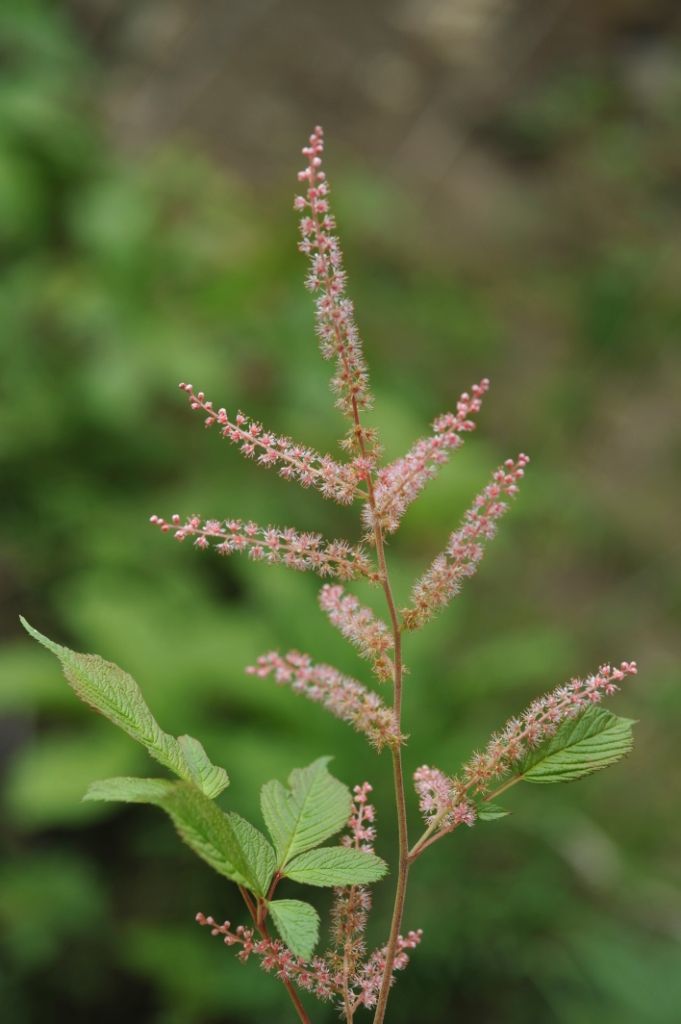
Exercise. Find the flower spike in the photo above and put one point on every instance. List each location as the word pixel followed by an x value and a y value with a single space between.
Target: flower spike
pixel 358 624
pixel 465 548
pixel 400 483
pixel 302 551
pixel 336 328
pixel 342 696
pixel 293 461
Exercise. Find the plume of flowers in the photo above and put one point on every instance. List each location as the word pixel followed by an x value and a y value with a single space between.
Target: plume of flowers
pixel 336 328
pixel 342 696
pixel 441 799
pixel 358 624
pixel 294 462
pixel 446 802
pixel 302 551
pixel 540 721
pixel 465 547
pixel 399 484
pixel 312 976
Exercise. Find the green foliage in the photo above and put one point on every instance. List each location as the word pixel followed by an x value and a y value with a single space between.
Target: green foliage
pixel 116 695
pixel 336 865
pixel 298 925
pixel 580 746
pixel 226 842
pixel 491 812
pixel 315 807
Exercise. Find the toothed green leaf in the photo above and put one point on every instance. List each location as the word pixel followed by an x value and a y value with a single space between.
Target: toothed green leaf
pixel 116 695
pixel 210 779
pixel 581 745
pixel 490 812
pixel 315 807
pixel 297 924
pixel 257 851
pixel 227 842
pixel 336 865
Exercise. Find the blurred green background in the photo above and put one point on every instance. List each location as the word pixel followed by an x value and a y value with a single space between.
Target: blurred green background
pixel 508 186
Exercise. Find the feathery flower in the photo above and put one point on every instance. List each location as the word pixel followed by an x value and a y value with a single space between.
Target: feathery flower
pixel 336 327
pixel 399 484
pixel 293 461
pixel 342 696
pixel 465 546
pixel 302 551
pixel 540 721
pixel 358 624
pixel 276 958
pixel 442 799
pixel 351 904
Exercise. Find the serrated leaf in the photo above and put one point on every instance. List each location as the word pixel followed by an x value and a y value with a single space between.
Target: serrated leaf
pixel 316 807
pixel 210 779
pixel 229 844
pixel 336 865
pixel 130 790
pixel 259 854
pixel 490 812
pixel 115 694
pixel 298 925
pixel 581 745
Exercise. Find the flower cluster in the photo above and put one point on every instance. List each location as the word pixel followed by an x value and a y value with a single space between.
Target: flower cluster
pixel 313 976
pixel 294 462
pixel 336 327
pixel 369 978
pixel 441 799
pixel 465 547
pixel 302 551
pixel 399 484
pixel 358 624
pixel 539 722
pixel 343 697
pixel 360 824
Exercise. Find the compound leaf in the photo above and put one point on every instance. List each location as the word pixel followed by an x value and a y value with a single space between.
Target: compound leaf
pixel 315 807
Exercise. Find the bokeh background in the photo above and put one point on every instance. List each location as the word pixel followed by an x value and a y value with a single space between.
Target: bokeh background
pixel 508 185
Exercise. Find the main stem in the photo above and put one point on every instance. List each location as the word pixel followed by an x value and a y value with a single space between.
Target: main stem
pixel 398 781
pixel 398 773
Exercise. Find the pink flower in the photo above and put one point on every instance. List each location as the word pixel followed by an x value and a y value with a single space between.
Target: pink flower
pixel 358 624
pixel 302 551
pixel 398 484
pixel 342 696
pixel 465 547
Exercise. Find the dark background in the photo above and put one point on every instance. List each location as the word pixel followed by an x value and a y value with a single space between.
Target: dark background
pixel 508 185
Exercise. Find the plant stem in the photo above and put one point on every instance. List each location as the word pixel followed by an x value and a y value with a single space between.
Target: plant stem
pixel 259 923
pixel 398 778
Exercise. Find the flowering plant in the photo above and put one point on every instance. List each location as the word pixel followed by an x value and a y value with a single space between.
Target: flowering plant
pixel 560 737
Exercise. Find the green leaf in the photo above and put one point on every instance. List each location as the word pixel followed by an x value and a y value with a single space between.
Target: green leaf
pixel 116 695
pixel 229 844
pixel 130 790
pixel 581 745
pixel 336 865
pixel 298 925
pixel 210 779
pixel 316 807
pixel 258 852
pixel 490 812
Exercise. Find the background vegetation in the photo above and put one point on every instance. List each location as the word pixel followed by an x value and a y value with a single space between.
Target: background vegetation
pixel 514 214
